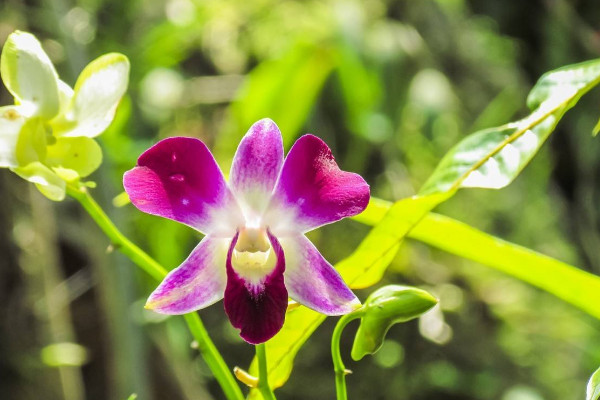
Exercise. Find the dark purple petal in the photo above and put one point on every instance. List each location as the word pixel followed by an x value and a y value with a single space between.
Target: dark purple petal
pixel 197 283
pixel 256 166
pixel 256 308
pixel 312 281
pixel 178 178
pixel 313 190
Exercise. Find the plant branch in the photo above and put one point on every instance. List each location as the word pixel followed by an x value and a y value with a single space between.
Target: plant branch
pixel 207 348
pixel 263 375
pixel 338 364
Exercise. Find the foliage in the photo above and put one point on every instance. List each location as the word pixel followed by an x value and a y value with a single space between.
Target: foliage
pixel 393 87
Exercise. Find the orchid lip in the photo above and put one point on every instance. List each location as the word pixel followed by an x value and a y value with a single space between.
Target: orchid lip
pixel 253 257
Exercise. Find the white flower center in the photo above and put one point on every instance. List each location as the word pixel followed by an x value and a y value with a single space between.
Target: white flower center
pixel 253 257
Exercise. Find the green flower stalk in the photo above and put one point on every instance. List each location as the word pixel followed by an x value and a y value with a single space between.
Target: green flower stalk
pixel 46 137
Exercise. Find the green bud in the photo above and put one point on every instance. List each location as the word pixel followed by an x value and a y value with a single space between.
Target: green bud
pixel 385 307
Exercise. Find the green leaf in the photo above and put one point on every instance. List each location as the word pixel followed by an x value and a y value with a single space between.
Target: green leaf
pixel 29 75
pixel 11 122
pixel 564 84
pixel 565 281
pixel 494 157
pixel 596 129
pixel 46 180
pixel 96 96
pixel 385 307
pixel 82 155
pixel 284 90
pixel 593 386
pixel 366 265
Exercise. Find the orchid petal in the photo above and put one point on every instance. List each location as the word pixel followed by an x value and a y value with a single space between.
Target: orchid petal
pixel 313 191
pixel 29 75
pixel 312 281
pixel 256 166
pixel 32 142
pixel 81 155
pixel 96 96
pixel 256 308
pixel 179 179
pixel 46 180
pixel 11 122
pixel 197 283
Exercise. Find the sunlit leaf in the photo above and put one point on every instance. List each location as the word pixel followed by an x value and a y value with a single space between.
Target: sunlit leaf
pixel 368 262
pixel 29 75
pixel 593 386
pixel 569 283
pixel 97 93
pixel 596 129
pixel 492 158
pixel 383 308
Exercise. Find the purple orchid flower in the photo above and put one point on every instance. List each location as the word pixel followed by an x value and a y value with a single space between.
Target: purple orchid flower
pixel 254 254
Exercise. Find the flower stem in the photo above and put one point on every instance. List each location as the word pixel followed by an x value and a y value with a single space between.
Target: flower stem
pixel 207 348
pixel 263 375
pixel 338 364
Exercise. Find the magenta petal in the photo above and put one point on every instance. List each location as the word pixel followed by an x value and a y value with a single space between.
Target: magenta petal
pixel 178 178
pixel 258 310
pixel 312 281
pixel 197 283
pixel 313 189
pixel 256 166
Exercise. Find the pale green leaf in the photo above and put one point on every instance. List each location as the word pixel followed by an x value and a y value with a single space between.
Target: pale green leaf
pixel 46 180
pixel 96 96
pixel 596 129
pixel 494 157
pixel 593 386
pixel 569 283
pixel 79 154
pixel 29 75
pixel 11 122
pixel 383 308
pixel 564 84
pixel 366 265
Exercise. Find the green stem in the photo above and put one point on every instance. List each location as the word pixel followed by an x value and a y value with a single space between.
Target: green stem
pixel 263 375
pixel 338 364
pixel 207 348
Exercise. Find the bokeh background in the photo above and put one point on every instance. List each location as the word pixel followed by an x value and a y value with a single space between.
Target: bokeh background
pixel 390 85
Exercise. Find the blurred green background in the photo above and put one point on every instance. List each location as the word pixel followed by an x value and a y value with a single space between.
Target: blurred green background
pixel 390 86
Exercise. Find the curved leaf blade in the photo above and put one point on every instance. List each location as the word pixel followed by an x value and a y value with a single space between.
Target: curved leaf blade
pixel 494 157
pixel 593 386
